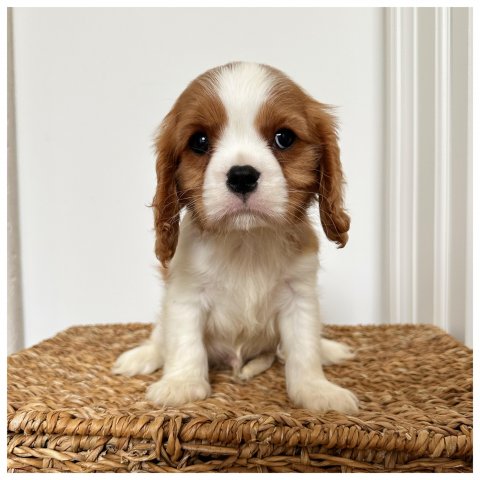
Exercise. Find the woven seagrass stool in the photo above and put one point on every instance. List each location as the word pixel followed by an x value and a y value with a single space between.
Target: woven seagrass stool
pixel 68 413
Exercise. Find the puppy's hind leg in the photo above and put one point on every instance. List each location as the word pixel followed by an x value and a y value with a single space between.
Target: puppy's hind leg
pixel 141 360
pixel 255 366
pixel 334 352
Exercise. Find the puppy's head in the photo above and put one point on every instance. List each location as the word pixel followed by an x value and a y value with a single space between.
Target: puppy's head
pixel 244 147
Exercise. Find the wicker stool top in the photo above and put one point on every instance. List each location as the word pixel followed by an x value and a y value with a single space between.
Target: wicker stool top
pixel 67 412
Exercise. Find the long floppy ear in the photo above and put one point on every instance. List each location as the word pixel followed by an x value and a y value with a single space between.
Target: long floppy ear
pixel 335 220
pixel 166 205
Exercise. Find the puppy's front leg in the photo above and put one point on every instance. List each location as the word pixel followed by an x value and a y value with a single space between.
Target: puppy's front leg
pixel 300 331
pixel 185 377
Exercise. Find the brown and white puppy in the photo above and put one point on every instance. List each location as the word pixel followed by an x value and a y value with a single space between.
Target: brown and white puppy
pixel 245 152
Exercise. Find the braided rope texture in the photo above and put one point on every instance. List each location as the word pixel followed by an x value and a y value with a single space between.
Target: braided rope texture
pixel 68 413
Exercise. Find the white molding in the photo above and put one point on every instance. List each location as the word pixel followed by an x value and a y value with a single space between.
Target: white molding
pixel 469 259
pixel 443 160
pixel 401 147
pixel 15 327
pixel 427 271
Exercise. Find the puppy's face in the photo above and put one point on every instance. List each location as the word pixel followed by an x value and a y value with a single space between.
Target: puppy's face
pixel 245 147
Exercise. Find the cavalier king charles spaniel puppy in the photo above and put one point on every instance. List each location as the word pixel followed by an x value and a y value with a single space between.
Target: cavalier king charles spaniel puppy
pixel 245 151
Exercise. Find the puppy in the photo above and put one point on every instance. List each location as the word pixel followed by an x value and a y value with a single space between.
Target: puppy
pixel 245 151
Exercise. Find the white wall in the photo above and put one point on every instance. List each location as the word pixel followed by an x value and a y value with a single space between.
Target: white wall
pixel 91 87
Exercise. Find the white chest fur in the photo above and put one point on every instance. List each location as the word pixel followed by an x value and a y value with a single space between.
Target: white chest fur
pixel 238 278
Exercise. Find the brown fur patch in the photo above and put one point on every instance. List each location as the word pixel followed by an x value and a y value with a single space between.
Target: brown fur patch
pixel 311 165
pixel 180 171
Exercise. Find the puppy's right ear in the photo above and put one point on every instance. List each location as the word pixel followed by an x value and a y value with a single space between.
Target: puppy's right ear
pixel 166 205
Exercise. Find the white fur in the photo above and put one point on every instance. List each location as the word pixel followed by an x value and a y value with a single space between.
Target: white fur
pixel 240 296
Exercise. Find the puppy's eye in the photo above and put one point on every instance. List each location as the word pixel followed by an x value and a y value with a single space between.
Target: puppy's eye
pixel 284 138
pixel 199 143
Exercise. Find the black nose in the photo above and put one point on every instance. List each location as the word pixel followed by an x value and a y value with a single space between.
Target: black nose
pixel 242 179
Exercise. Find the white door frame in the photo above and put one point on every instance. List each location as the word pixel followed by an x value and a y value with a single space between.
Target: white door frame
pixel 428 168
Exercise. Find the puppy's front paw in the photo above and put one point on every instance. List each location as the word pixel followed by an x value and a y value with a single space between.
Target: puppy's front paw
pixel 176 391
pixel 144 359
pixel 324 395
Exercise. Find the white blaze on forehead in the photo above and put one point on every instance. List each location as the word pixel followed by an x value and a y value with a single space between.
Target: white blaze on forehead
pixel 243 88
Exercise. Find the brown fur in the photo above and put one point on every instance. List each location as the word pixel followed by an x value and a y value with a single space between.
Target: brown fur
pixel 335 220
pixel 312 164
pixel 180 171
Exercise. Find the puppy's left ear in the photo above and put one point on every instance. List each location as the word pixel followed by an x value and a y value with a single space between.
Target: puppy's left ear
pixel 335 220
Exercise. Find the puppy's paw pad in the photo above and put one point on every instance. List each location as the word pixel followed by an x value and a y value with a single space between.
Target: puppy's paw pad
pixel 174 392
pixel 141 360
